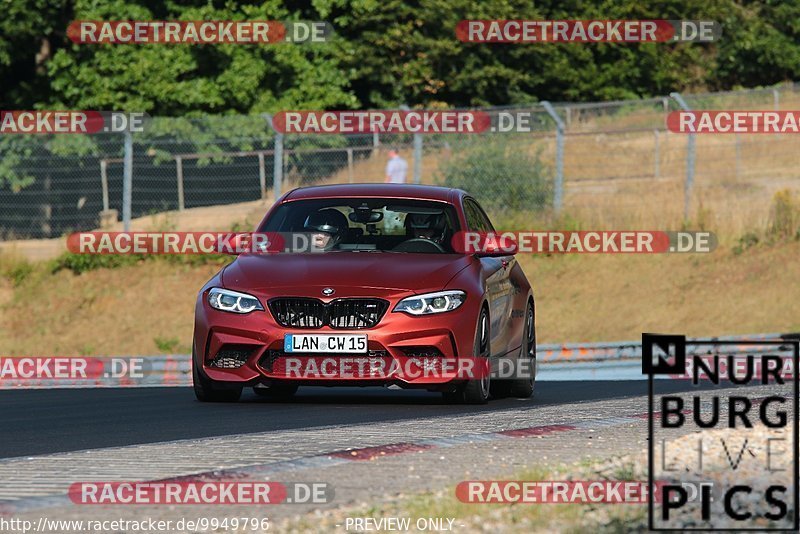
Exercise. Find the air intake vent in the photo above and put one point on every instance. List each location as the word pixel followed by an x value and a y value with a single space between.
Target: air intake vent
pixel 422 352
pixel 231 357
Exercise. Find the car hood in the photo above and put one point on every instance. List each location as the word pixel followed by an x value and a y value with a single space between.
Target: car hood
pixel 345 272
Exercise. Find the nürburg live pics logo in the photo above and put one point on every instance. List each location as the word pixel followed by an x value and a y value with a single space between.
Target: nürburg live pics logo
pixel 722 432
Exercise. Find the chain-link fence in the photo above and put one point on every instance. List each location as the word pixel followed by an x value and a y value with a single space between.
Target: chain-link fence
pixel 611 164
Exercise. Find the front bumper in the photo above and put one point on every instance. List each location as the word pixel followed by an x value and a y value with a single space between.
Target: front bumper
pixel 424 352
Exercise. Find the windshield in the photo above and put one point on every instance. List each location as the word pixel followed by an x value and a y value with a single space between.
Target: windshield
pixel 365 224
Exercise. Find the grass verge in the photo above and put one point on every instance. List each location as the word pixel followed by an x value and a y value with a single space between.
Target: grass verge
pixel 567 518
pixel 146 305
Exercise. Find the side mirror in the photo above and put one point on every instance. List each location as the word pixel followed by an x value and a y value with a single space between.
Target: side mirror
pixel 494 249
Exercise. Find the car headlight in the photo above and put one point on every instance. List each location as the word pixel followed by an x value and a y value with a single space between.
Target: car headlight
pixel 233 301
pixel 443 301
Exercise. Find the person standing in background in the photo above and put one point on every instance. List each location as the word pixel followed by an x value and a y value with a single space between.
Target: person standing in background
pixel 396 168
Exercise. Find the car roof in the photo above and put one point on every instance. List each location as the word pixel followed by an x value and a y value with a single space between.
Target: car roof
pixel 409 191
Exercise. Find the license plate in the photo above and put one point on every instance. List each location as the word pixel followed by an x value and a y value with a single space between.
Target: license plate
pixel 325 343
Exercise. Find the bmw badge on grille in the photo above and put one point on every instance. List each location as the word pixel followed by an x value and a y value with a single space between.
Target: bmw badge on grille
pixel 328 291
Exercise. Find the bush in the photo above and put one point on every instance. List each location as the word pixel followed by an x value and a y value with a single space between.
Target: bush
pixel 502 176
pixel 166 345
pixel 80 263
pixel 16 270
pixel 747 241
pixel 784 216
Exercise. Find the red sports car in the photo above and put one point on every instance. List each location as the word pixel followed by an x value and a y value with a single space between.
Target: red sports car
pixel 369 290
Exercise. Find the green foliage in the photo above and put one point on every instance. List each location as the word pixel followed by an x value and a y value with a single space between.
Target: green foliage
pixel 784 220
pixel 30 31
pixel 567 222
pixel 383 54
pixel 399 52
pixel 196 259
pixel 14 269
pixel 166 345
pixel 19 273
pixel 178 80
pixel 746 242
pixel 81 263
pixel 16 149
pixel 518 178
pixel 783 224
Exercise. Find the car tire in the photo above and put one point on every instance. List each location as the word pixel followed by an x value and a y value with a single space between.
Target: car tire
pixel 205 391
pixel 279 391
pixel 476 390
pixel 521 387
pixel 524 387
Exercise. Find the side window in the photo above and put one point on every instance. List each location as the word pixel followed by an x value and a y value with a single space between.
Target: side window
pixel 476 218
pixel 473 222
pixel 485 219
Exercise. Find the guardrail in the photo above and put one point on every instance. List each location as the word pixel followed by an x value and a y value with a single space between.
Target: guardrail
pixel 175 370
pixel 628 350
pixel 170 370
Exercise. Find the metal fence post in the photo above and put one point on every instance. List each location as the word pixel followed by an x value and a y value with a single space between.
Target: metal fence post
pixel 277 159
pixel 776 99
pixel 127 182
pixel 417 158
pixel 262 176
pixel 558 194
pixel 417 152
pixel 104 182
pixel 350 165
pixel 690 160
pixel 179 169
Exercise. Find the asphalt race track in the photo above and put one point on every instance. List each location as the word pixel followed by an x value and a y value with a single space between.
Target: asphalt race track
pixel 37 422
pixel 366 444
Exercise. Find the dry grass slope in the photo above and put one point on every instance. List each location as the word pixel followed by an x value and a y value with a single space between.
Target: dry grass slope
pixel 148 308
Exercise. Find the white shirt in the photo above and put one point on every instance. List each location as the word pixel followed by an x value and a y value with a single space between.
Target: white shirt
pixel 396 170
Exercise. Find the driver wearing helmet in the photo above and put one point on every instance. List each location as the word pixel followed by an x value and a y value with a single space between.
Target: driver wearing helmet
pixel 423 226
pixel 328 227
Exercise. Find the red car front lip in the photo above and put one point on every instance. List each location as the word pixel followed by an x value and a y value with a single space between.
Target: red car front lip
pixel 214 328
